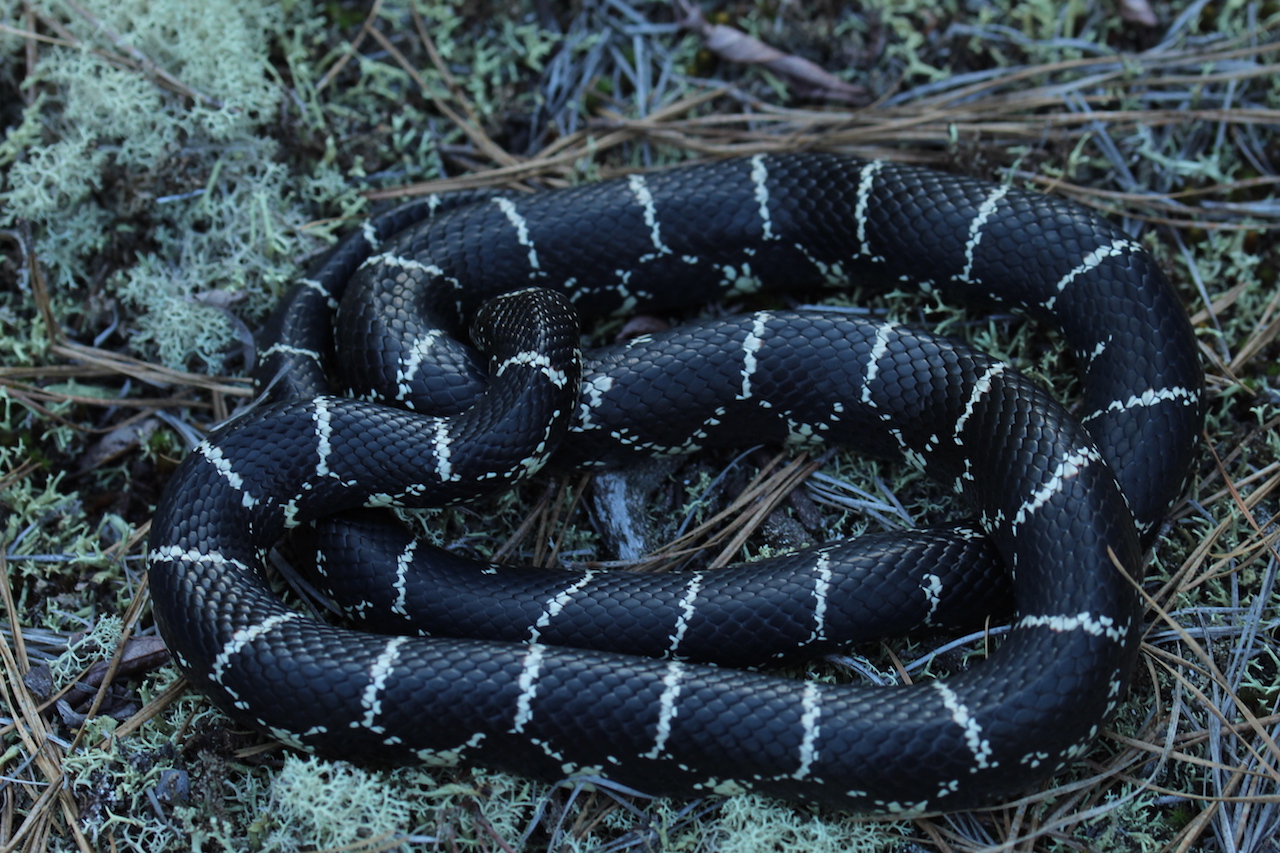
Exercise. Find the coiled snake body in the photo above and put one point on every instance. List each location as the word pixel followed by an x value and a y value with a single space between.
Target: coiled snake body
pixel 405 289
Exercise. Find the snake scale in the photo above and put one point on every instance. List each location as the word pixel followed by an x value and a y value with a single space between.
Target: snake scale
pixel 1067 504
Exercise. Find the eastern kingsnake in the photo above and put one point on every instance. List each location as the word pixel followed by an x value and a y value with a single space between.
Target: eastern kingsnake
pixel 418 275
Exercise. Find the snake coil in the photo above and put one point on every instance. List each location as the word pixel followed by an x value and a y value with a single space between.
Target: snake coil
pixel 1066 504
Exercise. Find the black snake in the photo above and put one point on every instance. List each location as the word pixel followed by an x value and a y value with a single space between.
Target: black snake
pixel 414 279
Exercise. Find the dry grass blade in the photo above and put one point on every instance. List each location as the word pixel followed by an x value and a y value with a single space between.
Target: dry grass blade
pixel 534 517
pixel 550 513
pixel 351 51
pixel 1262 336
pixel 39 288
pixel 553 553
pixel 152 374
pixel 32 36
pixel 553 165
pixel 1256 766
pixel 1178 215
pixel 991 108
pixel 773 491
pixel 136 608
pixel 468 125
pixel 730 527
pixel 93 362
pixel 473 126
pixel 35 737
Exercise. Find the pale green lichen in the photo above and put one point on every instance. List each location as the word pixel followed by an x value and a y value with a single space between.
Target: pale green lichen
pixel 749 823
pixel 43 526
pixel 99 642
pixel 312 803
pixel 194 183
pixel 132 798
pixel 321 804
pixel 55 177
pixel 221 211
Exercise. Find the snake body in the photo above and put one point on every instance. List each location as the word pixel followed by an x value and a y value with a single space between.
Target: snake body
pixel 1067 504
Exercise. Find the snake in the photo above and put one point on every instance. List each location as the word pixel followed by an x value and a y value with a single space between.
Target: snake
pixel 451 327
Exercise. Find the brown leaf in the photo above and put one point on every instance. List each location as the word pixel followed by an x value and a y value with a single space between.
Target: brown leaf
pixel 117 442
pixel 734 45
pixel 141 654
pixel 39 680
pixel 1138 12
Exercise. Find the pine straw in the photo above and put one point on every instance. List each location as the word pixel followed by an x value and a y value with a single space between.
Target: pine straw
pixel 993 110
pixel 1216 746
